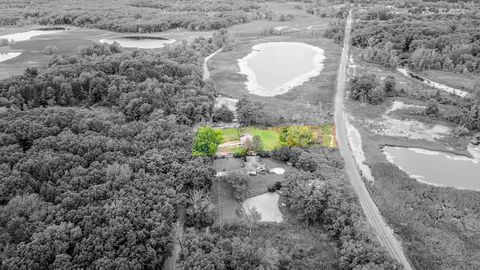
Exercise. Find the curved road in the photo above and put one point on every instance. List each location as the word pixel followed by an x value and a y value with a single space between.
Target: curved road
pixel 380 227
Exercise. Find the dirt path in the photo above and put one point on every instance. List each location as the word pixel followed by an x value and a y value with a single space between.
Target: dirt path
pixel 171 262
pixel 206 72
pixel 380 227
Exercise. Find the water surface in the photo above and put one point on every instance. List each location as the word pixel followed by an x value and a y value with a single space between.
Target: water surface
pixel 436 168
pixel 140 42
pixel 8 55
pixel 266 205
pixel 433 84
pixel 276 67
pixel 28 35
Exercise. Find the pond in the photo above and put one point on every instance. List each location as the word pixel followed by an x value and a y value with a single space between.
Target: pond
pixel 28 35
pixel 266 205
pixel 433 84
pixel 274 68
pixel 436 168
pixel 8 55
pixel 140 42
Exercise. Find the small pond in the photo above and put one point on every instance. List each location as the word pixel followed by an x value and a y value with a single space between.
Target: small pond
pixel 274 68
pixel 28 35
pixel 266 205
pixel 436 168
pixel 8 55
pixel 140 42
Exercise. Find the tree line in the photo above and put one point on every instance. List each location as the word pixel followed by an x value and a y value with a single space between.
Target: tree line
pixel 138 17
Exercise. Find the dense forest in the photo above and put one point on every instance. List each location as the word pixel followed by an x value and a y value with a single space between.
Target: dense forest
pixel 143 16
pixel 443 36
pixel 96 156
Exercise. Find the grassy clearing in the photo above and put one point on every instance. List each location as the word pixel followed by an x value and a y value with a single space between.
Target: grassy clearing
pixel 270 137
pixel 324 135
pixel 230 134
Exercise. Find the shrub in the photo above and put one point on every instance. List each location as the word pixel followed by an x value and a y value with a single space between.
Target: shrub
pixel 257 144
pixel 390 86
pixel 50 49
pixel 432 108
pixel 240 152
pixel 223 114
pixel 275 187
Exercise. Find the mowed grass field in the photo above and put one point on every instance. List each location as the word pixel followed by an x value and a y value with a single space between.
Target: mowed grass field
pixel 324 135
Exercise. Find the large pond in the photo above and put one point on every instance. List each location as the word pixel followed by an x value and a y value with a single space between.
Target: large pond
pixel 8 55
pixel 28 35
pixel 436 168
pixel 140 42
pixel 266 205
pixel 276 67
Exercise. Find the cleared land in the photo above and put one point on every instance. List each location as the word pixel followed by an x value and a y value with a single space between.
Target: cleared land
pixel 324 135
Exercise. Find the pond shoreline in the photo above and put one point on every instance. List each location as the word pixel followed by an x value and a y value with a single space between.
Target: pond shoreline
pixel 254 87
pixel 455 171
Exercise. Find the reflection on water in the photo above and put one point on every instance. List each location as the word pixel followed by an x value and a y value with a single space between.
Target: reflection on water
pixel 266 205
pixel 276 67
pixel 8 56
pixel 139 42
pixel 28 35
pixel 437 168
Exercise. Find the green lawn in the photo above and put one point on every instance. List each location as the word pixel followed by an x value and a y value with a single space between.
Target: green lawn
pixel 270 137
pixel 230 134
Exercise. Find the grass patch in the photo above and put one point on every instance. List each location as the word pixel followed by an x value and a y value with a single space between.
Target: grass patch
pixel 270 137
pixel 230 134
pixel 324 135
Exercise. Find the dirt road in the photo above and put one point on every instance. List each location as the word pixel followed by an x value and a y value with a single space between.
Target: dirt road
pixel 380 227
pixel 206 72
